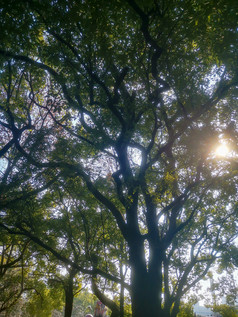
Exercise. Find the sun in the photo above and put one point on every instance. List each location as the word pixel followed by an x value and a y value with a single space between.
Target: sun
pixel 222 150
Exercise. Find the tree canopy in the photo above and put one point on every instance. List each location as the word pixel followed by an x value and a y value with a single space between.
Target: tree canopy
pixel 110 116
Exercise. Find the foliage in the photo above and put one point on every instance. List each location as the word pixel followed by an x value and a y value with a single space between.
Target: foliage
pixel 15 264
pixel 186 310
pixel 110 115
pixel 226 310
pixel 42 302
pixel 84 303
pixel 24 289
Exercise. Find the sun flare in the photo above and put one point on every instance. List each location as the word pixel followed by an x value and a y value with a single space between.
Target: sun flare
pixel 222 150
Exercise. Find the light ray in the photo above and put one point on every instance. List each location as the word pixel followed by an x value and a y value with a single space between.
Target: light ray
pixel 222 150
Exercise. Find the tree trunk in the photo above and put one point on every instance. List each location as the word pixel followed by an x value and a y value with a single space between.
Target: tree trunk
pixel 122 301
pixel 146 285
pixel 69 297
pixel 122 289
pixel 105 300
pixel 145 296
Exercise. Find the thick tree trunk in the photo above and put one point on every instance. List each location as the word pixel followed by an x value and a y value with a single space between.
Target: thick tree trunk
pixel 122 299
pixel 145 296
pixel 146 285
pixel 69 297
pixel 68 304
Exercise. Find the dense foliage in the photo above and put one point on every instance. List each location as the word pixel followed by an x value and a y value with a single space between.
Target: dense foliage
pixel 110 116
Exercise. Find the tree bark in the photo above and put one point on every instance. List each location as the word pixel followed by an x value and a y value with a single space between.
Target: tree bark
pixel 105 300
pixel 146 283
pixel 145 296
pixel 69 295
pixel 68 304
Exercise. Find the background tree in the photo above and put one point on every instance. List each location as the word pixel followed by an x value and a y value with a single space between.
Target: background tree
pixel 225 310
pixel 84 303
pixel 24 291
pixel 14 269
pixel 126 100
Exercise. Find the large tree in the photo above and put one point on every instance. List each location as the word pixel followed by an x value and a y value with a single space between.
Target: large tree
pixel 126 101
